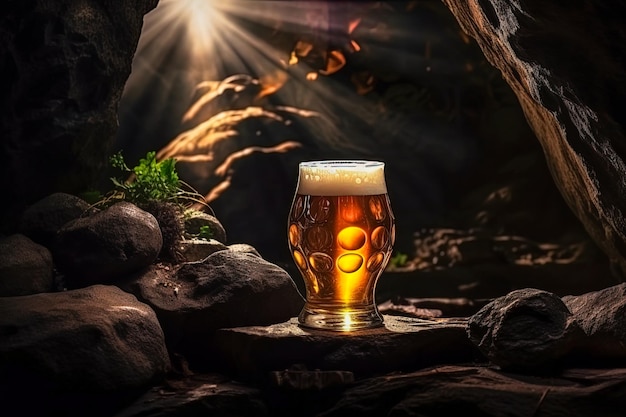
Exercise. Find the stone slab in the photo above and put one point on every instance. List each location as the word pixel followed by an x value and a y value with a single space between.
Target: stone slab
pixel 197 395
pixel 403 344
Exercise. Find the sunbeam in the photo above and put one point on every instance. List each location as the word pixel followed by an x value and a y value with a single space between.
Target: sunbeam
pixel 218 83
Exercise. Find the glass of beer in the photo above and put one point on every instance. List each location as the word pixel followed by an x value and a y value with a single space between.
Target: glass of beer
pixel 341 233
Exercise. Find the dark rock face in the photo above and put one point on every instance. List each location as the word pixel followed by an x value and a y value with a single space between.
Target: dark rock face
pixel 527 330
pixel 199 395
pixel 63 67
pixel 93 340
pixel 602 317
pixel 25 267
pixel 535 331
pixel 565 63
pixel 477 391
pixel 108 245
pixel 42 220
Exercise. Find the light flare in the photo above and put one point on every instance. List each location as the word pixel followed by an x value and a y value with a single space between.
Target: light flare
pixel 347 322
pixel 282 53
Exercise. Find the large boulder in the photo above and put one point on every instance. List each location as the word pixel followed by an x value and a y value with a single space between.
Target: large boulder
pixel 108 245
pixel 527 330
pixel 64 65
pixel 226 289
pixel 98 339
pixel 567 73
pixel 534 331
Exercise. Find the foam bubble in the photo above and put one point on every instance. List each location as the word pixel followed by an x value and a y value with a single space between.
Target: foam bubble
pixel 342 177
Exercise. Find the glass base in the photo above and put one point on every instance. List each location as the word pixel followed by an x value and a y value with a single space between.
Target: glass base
pixel 340 319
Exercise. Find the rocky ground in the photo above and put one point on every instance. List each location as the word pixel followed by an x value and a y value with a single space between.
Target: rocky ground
pixel 95 322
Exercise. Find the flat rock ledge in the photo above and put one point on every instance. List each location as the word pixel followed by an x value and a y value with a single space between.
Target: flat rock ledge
pixel 403 344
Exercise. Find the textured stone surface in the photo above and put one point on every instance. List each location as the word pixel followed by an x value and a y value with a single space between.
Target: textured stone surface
pixel 565 63
pixel 64 67
pixel 480 391
pixel 534 331
pixel 435 391
pixel 42 220
pixel 93 340
pixel 108 245
pixel 602 317
pixel 403 344
pixel 244 248
pixel 195 250
pixel 25 267
pixel 226 289
pixel 208 394
pixel 527 330
pixel 195 220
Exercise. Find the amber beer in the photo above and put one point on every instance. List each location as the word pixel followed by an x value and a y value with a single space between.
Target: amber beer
pixel 341 232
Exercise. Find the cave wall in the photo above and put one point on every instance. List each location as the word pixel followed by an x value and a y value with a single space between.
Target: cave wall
pixel 565 62
pixel 63 67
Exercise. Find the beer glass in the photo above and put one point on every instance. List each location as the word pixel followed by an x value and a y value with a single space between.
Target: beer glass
pixel 341 232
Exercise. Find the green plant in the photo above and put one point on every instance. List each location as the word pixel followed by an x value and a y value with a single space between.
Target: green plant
pixel 398 260
pixel 205 232
pixel 149 181
pixel 155 187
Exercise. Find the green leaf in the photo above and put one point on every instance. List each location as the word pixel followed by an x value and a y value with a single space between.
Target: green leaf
pixel 153 181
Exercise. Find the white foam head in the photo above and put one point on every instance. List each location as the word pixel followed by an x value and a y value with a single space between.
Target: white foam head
pixel 342 177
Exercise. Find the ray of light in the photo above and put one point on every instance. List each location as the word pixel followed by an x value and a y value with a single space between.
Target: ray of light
pixel 199 43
